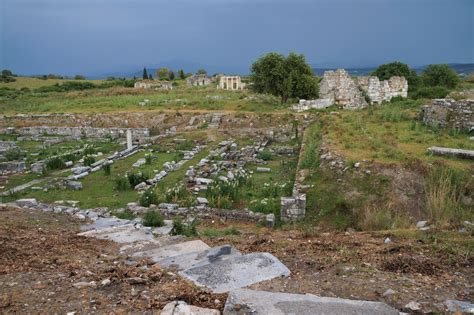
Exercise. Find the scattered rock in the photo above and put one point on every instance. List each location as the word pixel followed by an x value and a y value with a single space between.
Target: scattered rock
pixel 182 308
pixel 83 284
pixel 459 306
pixel 413 306
pixel 388 293
pixel 387 240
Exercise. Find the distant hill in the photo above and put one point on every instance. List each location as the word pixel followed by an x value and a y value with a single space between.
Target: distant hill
pixel 462 69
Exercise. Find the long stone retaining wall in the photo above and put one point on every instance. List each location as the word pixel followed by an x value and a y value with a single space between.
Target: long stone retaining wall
pixel 78 132
pixel 448 113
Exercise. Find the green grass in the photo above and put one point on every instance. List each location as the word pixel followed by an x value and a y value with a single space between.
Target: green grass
pixel 99 189
pixel 34 83
pixel 127 99
pixel 390 133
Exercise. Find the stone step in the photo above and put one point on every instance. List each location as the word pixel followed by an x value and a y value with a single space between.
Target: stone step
pixel 244 301
pixel 160 253
pixel 127 233
pixel 142 246
pixel 102 223
pixel 196 259
pixel 236 272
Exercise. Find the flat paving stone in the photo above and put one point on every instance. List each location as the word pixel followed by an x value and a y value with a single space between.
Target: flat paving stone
pixel 102 223
pixel 244 301
pixel 236 272
pixel 174 250
pixel 127 233
pixel 148 245
pixel 195 259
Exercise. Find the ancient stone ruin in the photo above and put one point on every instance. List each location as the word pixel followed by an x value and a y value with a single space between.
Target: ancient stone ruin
pixel 230 83
pixel 448 113
pixel 198 80
pixel 338 88
pixel 152 84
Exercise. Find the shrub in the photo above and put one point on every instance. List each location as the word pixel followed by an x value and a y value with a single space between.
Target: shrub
pixel 55 163
pixel 89 160
pixel 148 198
pixel 89 149
pixel 219 233
pixel 136 178
pixel 153 218
pixel 125 215
pixel 265 155
pixel 13 154
pixel 180 228
pixel 148 159
pixel 440 75
pixel 107 169
pixel 122 184
pixel 430 92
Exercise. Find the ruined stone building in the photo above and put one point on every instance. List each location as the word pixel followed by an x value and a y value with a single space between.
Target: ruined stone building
pixel 383 91
pixel 198 80
pixel 338 88
pixel 448 113
pixel 230 83
pixel 152 84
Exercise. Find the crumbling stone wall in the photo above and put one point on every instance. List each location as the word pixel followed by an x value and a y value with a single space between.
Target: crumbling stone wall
pixel 78 132
pixel 448 113
pixel 338 87
pixel 380 91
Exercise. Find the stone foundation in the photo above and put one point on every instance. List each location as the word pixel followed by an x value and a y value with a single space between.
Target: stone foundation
pixel 383 91
pixel 448 113
pixel 338 87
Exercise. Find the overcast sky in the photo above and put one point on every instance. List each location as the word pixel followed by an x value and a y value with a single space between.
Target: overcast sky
pixel 105 36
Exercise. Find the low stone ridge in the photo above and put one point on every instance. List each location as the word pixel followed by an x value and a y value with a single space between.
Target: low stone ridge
pixel 196 259
pixel 236 272
pixel 459 153
pixel 102 223
pixel 244 301
pixel 127 233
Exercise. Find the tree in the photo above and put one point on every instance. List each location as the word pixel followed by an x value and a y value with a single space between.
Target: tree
pixel 171 75
pixel 163 73
pixel 150 77
pixel 145 74
pixel 286 77
pixel 7 73
pixel 440 75
pixel 201 71
pixel 79 77
pixel 182 76
pixel 397 68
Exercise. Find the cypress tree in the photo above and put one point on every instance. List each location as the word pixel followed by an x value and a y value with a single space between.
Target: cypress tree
pixel 145 74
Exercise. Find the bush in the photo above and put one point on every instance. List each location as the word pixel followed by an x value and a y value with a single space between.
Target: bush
pixel 13 154
pixel 136 178
pixel 89 160
pixel 440 75
pixel 55 163
pixel 122 184
pixel 148 198
pixel 180 228
pixel 107 169
pixel 153 218
pixel 265 155
pixel 430 92
pixel 125 215
pixel 148 159
pixel 219 233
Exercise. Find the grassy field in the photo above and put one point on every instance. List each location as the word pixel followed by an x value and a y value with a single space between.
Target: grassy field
pixel 390 133
pixel 34 83
pixel 127 99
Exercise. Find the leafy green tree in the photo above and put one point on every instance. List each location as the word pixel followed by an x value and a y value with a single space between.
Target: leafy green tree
pixel 79 77
pixel 7 73
pixel 182 76
pixel 145 74
pixel 201 71
pixel 171 75
pixel 163 73
pixel 286 77
pixel 397 68
pixel 440 75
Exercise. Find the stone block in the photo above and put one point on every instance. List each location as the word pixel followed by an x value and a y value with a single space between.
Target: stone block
pixel 244 301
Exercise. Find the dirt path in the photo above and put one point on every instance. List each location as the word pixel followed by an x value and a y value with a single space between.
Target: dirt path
pixel 46 268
